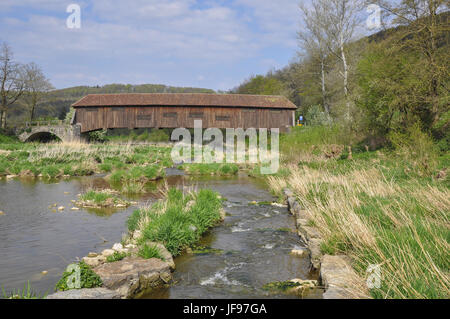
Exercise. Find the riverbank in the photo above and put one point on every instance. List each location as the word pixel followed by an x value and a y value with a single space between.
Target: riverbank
pixel 382 210
pixel 131 165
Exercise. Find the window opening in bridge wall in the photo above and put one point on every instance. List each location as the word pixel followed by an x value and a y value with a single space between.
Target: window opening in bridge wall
pixel 91 110
pixel 275 115
pixel 144 117
pixel 170 115
pixel 118 109
pixel 196 114
pixel 222 118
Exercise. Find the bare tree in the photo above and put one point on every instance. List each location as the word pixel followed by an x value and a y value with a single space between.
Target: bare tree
pixel 36 85
pixel 339 19
pixel 12 84
pixel 313 39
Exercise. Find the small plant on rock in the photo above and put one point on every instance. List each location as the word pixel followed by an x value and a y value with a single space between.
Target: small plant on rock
pixel 88 278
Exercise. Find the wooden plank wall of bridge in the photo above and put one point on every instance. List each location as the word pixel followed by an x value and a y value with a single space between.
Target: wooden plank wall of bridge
pixel 107 117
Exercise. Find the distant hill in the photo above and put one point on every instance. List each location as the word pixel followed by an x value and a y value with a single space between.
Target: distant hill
pixel 57 102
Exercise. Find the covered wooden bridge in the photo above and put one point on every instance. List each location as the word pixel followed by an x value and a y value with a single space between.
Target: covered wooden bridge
pixel 172 110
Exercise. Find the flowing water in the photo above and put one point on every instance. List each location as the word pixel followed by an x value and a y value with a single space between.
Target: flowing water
pixel 251 248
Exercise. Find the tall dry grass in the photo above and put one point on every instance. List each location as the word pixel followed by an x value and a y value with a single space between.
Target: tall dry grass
pixel 402 226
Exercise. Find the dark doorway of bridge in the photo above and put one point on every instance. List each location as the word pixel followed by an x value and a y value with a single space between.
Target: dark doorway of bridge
pixel 43 137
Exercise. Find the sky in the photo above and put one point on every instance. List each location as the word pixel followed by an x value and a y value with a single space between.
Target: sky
pixel 198 43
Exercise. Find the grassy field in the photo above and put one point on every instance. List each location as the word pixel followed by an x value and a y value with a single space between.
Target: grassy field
pixel 384 207
pixel 77 159
pixel 131 166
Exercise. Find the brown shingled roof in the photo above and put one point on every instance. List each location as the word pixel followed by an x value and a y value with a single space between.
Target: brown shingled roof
pixel 185 99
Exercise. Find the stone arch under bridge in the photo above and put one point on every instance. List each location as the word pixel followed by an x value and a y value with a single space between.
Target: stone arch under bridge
pixel 66 133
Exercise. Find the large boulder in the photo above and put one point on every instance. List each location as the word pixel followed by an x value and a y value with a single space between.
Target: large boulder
pixel 133 276
pixel 165 254
pixel 93 293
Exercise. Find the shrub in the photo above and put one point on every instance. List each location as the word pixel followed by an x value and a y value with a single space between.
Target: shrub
pixel 143 136
pixel 98 136
pixel 417 148
pixel 158 136
pixel 317 117
pixel 4 139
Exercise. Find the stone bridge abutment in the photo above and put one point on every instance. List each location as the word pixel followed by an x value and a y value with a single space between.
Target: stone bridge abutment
pixel 66 133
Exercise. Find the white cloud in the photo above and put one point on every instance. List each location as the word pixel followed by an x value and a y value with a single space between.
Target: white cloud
pixel 122 40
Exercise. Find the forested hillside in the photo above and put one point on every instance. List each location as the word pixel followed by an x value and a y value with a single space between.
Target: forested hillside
pixel 396 79
pixel 56 103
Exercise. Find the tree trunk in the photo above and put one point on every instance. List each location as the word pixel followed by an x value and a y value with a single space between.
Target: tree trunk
pixel 434 76
pixel 3 120
pixel 324 99
pixel 344 62
pixel 33 106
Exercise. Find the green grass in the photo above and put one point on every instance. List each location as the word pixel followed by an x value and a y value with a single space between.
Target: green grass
pixel 4 139
pixel 54 160
pixel 175 226
pixel 117 256
pixel 210 169
pixel 131 187
pixel 95 196
pixel 147 252
pixel 154 136
pixel 26 293
pixel 102 198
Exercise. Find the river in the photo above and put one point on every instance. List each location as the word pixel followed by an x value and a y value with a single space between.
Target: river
pixel 251 248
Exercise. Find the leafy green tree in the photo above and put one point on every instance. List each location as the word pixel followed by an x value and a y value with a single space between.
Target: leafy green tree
pixel 261 85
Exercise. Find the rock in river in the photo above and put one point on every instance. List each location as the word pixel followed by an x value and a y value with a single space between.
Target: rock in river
pixel 299 252
pixel 133 276
pixel 94 261
pixel 119 248
pixel 108 252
